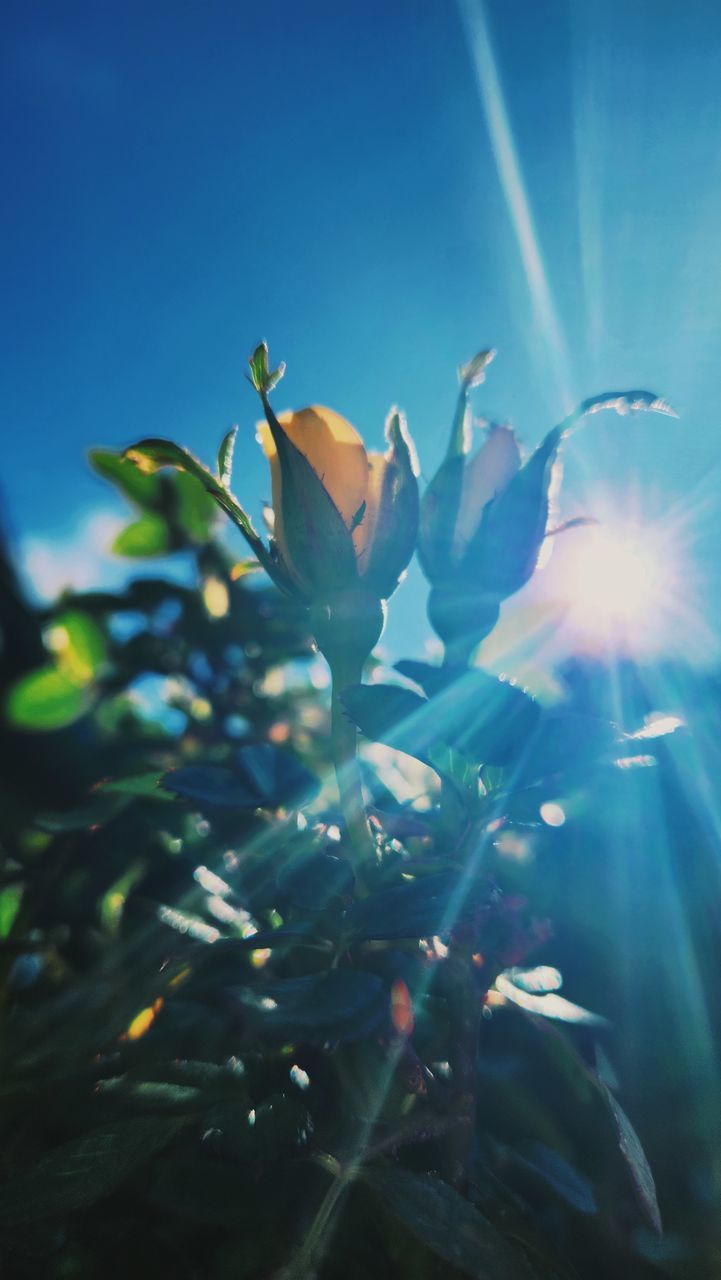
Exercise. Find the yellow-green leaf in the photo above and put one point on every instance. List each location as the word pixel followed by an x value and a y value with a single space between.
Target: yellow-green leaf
pixel 139 487
pixel 9 907
pixel 45 699
pixel 78 645
pixel 148 536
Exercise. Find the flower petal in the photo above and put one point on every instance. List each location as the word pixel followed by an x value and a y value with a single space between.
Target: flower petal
pixel 486 474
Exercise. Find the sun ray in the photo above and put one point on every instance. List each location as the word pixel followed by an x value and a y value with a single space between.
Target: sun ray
pixel 480 48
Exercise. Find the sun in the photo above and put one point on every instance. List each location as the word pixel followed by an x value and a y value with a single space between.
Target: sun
pixel 621 585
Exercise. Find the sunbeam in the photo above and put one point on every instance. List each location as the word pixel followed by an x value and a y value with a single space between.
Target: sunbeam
pixel 511 178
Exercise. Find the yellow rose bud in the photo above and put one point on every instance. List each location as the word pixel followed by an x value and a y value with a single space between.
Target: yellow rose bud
pixel 344 518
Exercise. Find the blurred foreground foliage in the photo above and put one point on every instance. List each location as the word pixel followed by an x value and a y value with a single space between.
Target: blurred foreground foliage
pixel 225 1055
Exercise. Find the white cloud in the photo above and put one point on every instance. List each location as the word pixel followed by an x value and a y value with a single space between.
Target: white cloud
pixel 78 557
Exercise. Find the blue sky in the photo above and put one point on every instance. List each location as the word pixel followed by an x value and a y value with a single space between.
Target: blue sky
pixel 182 179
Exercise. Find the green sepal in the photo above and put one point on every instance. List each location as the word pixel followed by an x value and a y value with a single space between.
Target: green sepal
pixel 503 552
pixel 263 378
pixel 396 528
pixel 319 542
pixel 438 518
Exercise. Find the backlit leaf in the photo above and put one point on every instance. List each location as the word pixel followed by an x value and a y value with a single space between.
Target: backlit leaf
pixel 148 536
pixel 45 699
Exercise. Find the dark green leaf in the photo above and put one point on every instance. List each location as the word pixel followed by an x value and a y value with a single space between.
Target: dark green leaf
pixel 388 713
pixel 635 1157
pixel 565 742
pixel 152 1096
pixel 80 1172
pixel 488 720
pixel 276 775
pixel 416 908
pixel 312 882
pixel 449 1225
pixel 138 784
pixel 99 810
pixel 212 785
pixel 548 1165
pixel 342 1005
pixel 261 776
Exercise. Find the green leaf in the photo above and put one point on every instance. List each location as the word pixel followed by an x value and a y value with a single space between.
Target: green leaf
pixel 262 776
pixel 566 742
pixel 10 899
pixel 77 1174
pixel 391 714
pixel 99 810
pixel 148 536
pixel 155 1096
pixel 487 719
pixel 448 1225
pixel 225 457
pixel 635 1157
pixel 212 785
pixel 342 1005
pixel 195 509
pixel 137 784
pixel 567 1183
pixel 139 487
pixel 79 645
pixel 415 908
pixel 313 881
pixel 44 700
pixel 152 454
